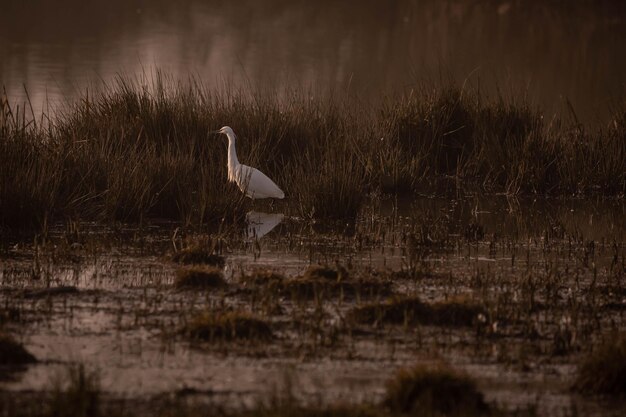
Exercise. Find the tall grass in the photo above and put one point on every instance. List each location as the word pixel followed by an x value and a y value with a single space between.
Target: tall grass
pixel 141 149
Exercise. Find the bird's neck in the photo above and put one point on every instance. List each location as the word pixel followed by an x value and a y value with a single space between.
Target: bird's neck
pixel 233 162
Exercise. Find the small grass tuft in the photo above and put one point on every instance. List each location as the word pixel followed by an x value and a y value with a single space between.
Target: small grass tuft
pixel 198 254
pixel 228 326
pixel 263 277
pixel 306 288
pixel 411 311
pixel 198 276
pixel 319 282
pixel 13 353
pixel 434 391
pixel 604 370
pixel 323 272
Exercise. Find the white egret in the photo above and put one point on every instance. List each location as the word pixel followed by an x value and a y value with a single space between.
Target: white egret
pixel 252 182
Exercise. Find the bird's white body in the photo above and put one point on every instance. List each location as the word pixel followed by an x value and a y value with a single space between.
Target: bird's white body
pixel 252 182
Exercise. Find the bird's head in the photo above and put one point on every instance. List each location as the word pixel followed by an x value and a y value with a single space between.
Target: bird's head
pixel 226 130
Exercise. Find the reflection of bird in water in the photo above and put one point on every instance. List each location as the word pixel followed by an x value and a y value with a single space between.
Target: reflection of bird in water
pixel 260 224
pixel 252 182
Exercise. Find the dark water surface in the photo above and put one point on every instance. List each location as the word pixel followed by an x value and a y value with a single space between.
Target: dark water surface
pixel 551 51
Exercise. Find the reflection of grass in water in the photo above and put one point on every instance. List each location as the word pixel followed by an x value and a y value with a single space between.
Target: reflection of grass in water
pixel 199 277
pixel 604 370
pixel 323 272
pixel 198 254
pixel 136 151
pixel 79 396
pixel 303 288
pixel 262 277
pixel 13 353
pixel 319 282
pixel 434 391
pixel 411 310
pixel 423 390
pixel 225 326
pixel 9 314
pixel 76 393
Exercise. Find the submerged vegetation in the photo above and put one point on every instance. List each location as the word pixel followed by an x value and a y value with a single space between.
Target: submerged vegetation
pixel 139 150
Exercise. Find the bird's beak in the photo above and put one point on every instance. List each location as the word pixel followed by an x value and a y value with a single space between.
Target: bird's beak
pixel 214 132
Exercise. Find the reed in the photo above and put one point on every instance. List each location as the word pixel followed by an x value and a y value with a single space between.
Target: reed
pixel 141 149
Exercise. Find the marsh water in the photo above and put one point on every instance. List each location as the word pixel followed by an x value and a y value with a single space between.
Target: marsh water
pixel 119 314
pixel 549 52
pixel 550 271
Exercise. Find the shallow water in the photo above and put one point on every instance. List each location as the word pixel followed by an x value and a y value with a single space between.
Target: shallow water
pixel 550 52
pixel 124 321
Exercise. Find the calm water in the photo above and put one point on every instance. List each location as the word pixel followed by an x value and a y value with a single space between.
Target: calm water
pixel 552 51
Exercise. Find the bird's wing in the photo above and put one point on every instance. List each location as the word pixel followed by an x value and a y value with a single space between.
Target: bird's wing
pixel 257 185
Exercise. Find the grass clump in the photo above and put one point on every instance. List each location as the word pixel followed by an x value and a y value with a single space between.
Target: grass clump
pixel 411 311
pixel 139 150
pixel 13 353
pixel 316 272
pixel 604 370
pixel 308 288
pixel 198 254
pixel 433 129
pixel 263 278
pixel 434 391
pixel 319 282
pixel 328 182
pixel 228 326
pixel 198 276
